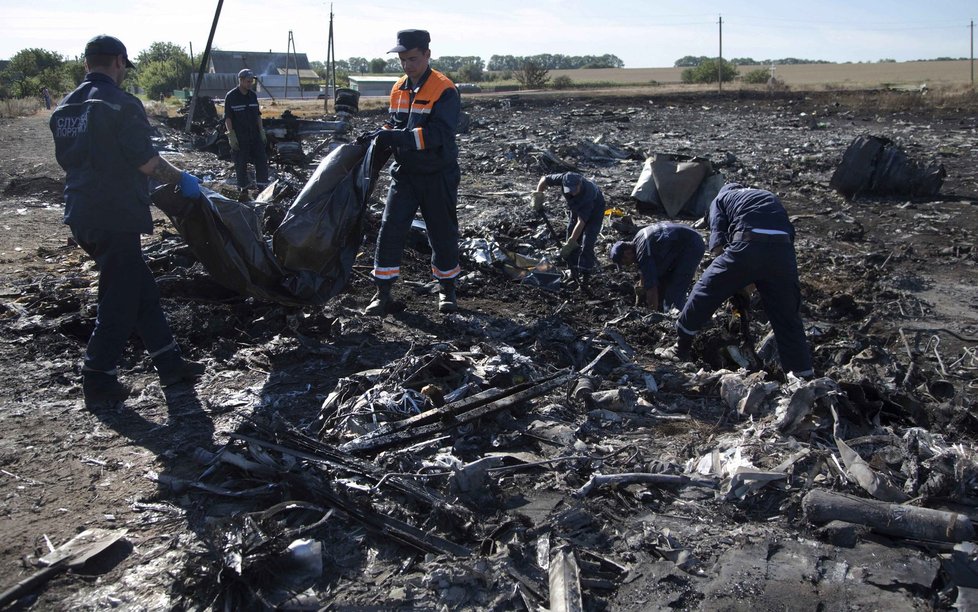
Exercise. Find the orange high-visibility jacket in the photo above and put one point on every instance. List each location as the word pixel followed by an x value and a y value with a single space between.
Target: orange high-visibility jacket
pixel 430 113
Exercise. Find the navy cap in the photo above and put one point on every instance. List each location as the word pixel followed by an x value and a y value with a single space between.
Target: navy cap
pixel 107 45
pixel 247 73
pixel 617 251
pixel 572 181
pixel 411 39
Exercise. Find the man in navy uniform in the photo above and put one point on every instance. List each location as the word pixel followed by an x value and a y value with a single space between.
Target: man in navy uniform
pixel 754 242
pixel 102 139
pixel 424 112
pixel 246 134
pixel 587 206
pixel 667 255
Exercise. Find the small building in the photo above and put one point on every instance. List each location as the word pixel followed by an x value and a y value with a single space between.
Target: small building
pixel 279 75
pixel 373 85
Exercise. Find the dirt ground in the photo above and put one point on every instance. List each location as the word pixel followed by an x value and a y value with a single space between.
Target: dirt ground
pixel 890 304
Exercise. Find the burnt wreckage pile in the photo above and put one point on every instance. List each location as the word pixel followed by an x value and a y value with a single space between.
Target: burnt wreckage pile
pixel 530 451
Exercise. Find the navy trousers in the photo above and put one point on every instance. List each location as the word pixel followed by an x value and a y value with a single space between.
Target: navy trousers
pixel 251 151
pixel 128 299
pixel 436 195
pixel 772 268
pixel 674 283
pixel 584 258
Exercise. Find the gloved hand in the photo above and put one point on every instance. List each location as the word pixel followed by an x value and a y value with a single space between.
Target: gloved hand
pixel 568 249
pixel 740 302
pixel 366 137
pixel 233 140
pixel 261 133
pixel 387 138
pixel 537 198
pixel 189 185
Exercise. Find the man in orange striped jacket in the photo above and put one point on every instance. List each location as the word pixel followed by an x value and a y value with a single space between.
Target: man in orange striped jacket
pixel 424 111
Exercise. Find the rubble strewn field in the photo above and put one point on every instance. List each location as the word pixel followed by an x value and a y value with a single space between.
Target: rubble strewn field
pixel 429 461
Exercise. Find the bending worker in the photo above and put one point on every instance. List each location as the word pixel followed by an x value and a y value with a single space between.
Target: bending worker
pixel 587 207
pixel 104 142
pixel 754 240
pixel 424 111
pixel 667 255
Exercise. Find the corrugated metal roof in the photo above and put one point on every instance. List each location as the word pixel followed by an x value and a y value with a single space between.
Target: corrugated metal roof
pixel 227 62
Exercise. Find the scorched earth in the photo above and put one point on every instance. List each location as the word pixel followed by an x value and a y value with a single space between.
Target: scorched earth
pixel 255 487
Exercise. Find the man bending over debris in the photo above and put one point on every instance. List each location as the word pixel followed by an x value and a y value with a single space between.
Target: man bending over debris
pixel 246 134
pixel 424 111
pixel 754 242
pixel 587 207
pixel 667 255
pixel 102 139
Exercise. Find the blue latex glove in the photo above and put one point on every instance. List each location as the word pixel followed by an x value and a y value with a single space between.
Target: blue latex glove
pixel 189 185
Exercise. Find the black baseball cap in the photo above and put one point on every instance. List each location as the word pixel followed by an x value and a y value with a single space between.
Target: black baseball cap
pixel 411 39
pixel 107 45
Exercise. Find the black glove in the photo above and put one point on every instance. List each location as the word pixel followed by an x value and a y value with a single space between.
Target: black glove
pixel 388 138
pixel 366 137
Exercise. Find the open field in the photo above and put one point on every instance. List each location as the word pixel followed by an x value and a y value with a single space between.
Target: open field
pixel 843 75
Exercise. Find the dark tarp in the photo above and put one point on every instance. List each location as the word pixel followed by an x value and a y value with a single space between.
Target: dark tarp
pixel 874 165
pixel 312 253
pixel 678 185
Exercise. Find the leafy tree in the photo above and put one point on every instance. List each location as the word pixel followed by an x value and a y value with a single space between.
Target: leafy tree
pixel 531 75
pixel 759 76
pixel 454 63
pixel 707 72
pixel 162 52
pixel 377 65
pixel 393 65
pixel 162 68
pixel 74 72
pixel 470 73
pixel 31 70
pixel 162 77
pixel 690 61
pixel 359 64
pixel 563 82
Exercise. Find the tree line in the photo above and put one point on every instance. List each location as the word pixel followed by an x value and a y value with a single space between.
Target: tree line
pixel 164 67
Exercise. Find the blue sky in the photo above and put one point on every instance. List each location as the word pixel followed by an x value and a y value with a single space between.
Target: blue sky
pixel 643 33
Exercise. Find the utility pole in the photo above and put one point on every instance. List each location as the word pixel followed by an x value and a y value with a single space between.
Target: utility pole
pixel 290 51
pixel 203 66
pixel 720 61
pixel 330 64
pixel 972 52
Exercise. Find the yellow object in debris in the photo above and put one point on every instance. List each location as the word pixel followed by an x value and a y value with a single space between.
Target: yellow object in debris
pixel 614 212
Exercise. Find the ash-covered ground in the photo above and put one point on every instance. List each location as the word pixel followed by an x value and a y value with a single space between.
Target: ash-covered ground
pixel 494 504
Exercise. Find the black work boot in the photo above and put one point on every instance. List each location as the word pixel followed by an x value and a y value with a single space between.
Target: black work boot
pixel 682 350
pixel 173 368
pixel 446 296
pixel 102 389
pixel 381 302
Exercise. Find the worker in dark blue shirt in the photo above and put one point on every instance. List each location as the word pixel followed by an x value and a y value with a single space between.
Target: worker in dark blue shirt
pixel 667 255
pixel 754 242
pixel 246 134
pixel 587 206
pixel 102 139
